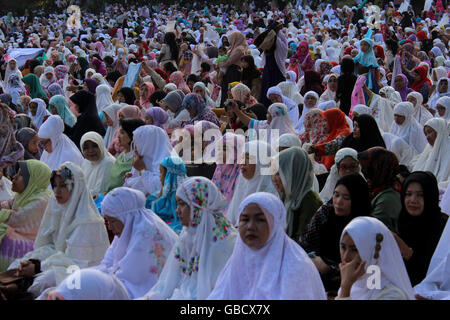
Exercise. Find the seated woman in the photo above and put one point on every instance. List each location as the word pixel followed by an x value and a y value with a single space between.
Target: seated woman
pixel 365 135
pixel 200 88
pixel 156 116
pixel 404 152
pixel 196 106
pixel 367 243
pixel 275 95
pixel 421 114
pixel 124 112
pixel 346 162
pixel 97 162
pixel 288 140
pixel 58 105
pixel 163 203
pixel 21 216
pixel 110 113
pixel 293 178
pixel 406 126
pixel 248 276
pixel 30 141
pixel 151 145
pixel 38 111
pixel 203 247
pixel 70 224
pixel 321 237
pixel 94 285
pixel 58 148
pixel 436 156
pixel 243 94
pixel 443 108
pixel 254 175
pixel 123 163
pixel 311 100
pixel 178 115
pixel 421 222
pixel 382 106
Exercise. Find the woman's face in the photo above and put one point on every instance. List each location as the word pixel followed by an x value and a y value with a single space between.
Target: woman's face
pixel 12 65
pixel 412 100
pixel 53 109
pixel 430 134
pixel 310 101
pixel 33 144
pixel 114 225
pixel 124 139
pixel 416 76
pixel 364 46
pixel 62 194
pixel 108 120
pixel 33 108
pixel 342 201
pixel 443 86
pixel 253 226
pixel 440 110
pixel 49 76
pixel 46 144
pixel 398 83
pixel 332 84
pixel 399 119
pixel 276 180
pixel 248 169
pixel 18 183
pixel 356 130
pixel 244 64
pixel 414 199
pixel 349 252
pixel 184 212
pixel 148 119
pixel 121 97
pixel 274 98
pixel 191 111
pixel 200 91
pixel 346 166
pixel 91 151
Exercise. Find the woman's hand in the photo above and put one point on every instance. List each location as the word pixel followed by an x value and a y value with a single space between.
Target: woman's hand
pixel 127 175
pixel 350 273
pixel 138 161
pixel 26 269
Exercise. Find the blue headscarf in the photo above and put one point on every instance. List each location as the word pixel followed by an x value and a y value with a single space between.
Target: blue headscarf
pixel 62 107
pixel 194 101
pixel 166 205
pixel 367 59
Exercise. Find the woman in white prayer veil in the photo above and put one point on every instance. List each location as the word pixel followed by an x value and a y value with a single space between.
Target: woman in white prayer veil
pixel 11 68
pixel 382 106
pixel 151 145
pixel 254 176
pixel 112 121
pixel 103 97
pixel 407 127
pixel 142 241
pixel 366 242
pixel 41 112
pixel 404 152
pixel 330 93
pixel 203 247
pixel 287 140
pixel 290 90
pixel 436 156
pixel 421 114
pixel 97 163
pixel 290 275
pixel 72 232
pixel 100 80
pixel 58 148
pixel 311 100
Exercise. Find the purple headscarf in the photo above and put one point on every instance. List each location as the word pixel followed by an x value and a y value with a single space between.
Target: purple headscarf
pixel 99 66
pixel 91 84
pixel 405 91
pixel 158 115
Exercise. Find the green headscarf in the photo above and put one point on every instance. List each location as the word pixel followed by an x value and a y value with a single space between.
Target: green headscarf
pixel 62 107
pixel 118 170
pixel 36 90
pixel 37 186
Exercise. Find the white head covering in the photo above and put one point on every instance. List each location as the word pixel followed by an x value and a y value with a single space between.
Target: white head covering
pixel 300 127
pixel 41 112
pixel 436 95
pixel 410 130
pixel 202 249
pixel 9 72
pixel 436 158
pixel 364 231
pixel 445 102
pixel 93 285
pixel 288 140
pixel 280 118
pixel 63 149
pixel 382 108
pixel 138 256
pixel 361 109
pixel 420 113
pixel 289 89
pixel 260 153
pixel 111 111
pixel 90 70
pixel 97 173
pixel 103 97
pixel 170 87
pixel 291 105
pixel 404 152
pixel 327 192
pixel 249 276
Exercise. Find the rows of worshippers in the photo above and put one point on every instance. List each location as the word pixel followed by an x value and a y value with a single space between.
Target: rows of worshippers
pixel 329 155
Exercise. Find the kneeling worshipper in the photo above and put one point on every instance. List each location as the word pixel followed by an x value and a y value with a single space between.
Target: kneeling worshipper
pixel 164 203
pixel 293 178
pixel 443 108
pixel 404 152
pixel 198 110
pixel 151 144
pixel 110 113
pixel 365 135
pixel 70 225
pixel 311 100
pixel 97 162
pixel 367 243
pixel 58 148
pixel 94 285
pixel 58 105
pixel 254 176
pixel 382 106
pixel 275 95
pixel 288 140
pixel 203 247
pixel 436 156
pixel 38 111
pixel 248 275
pixel 142 241
pixel 421 114
pixel 21 216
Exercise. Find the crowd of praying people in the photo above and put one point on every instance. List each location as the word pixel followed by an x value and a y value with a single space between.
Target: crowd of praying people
pixel 202 151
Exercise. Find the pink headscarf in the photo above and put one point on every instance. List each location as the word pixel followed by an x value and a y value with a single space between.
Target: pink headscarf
pixel 178 78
